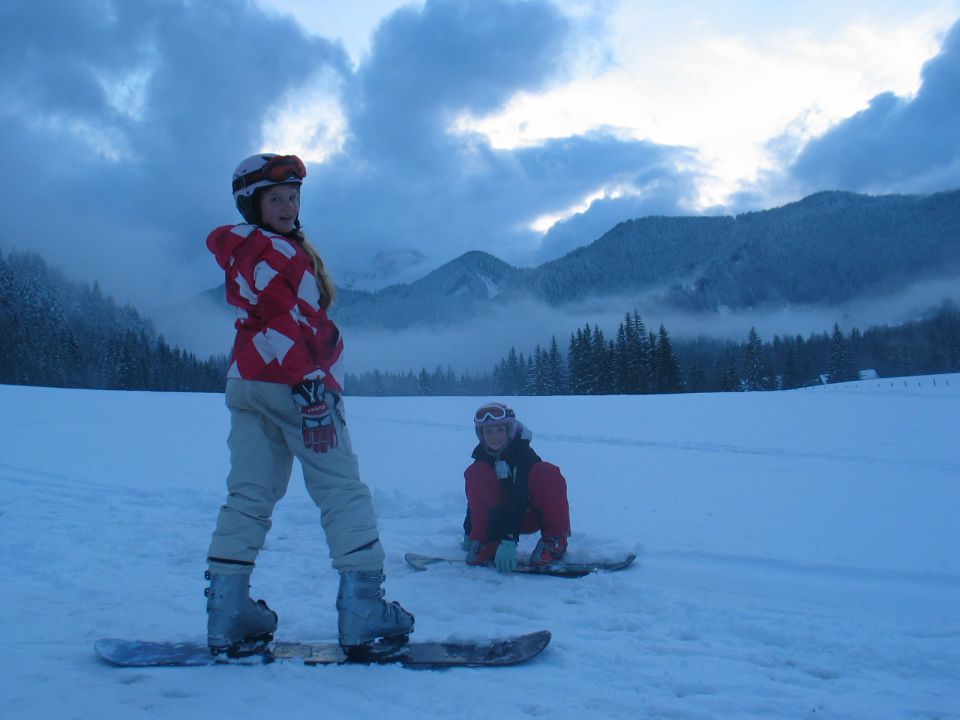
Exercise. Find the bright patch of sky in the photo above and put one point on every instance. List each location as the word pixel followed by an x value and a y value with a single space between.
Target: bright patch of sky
pixel 309 120
pixel 126 91
pixel 724 81
pixel 544 222
pixel 726 95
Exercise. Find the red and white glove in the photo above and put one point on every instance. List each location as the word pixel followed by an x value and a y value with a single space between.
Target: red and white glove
pixel 319 432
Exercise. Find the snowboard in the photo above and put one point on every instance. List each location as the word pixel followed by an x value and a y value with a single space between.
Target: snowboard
pixel 426 655
pixel 557 569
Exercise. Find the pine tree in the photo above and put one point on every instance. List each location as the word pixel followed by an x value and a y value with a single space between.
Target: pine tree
pixel 601 364
pixel 640 359
pixel 379 386
pixel 424 388
pixel 523 369
pixel 757 374
pixel 805 364
pixel 573 363
pixel 537 381
pixel 668 374
pixel 514 371
pixel 621 363
pixel 556 371
pixel 841 367
pixel 580 361
pixel 791 371
pixel 510 375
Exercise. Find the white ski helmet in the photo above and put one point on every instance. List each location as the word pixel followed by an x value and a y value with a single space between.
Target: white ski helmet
pixel 260 171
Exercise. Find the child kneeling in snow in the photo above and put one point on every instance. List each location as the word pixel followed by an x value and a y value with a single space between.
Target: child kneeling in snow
pixel 510 491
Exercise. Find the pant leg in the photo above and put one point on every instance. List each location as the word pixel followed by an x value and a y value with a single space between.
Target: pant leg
pixel 531 522
pixel 332 479
pixel 346 505
pixel 260 465
pixel 484 502
pixel 485 510
pixel 548 497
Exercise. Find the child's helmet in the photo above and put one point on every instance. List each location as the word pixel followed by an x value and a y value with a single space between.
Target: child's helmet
pixel 495 413
pixel 260 171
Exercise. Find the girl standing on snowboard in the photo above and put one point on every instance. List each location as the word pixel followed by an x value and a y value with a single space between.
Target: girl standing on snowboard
pixel 285 402
pixel 511 491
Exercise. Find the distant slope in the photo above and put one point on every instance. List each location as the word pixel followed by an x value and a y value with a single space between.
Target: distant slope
pixel 634 255
pixel 828 248
pixel 449 293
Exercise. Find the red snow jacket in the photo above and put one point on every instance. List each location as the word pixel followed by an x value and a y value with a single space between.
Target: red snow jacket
pixel 533 497
pixel 283 334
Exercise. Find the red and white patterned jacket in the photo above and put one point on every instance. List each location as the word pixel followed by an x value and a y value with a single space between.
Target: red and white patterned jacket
pixel 283 334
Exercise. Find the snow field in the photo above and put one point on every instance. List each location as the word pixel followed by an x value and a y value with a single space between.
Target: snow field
pixel 798 557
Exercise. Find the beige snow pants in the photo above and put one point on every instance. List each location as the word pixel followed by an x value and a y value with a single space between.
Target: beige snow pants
pixel 265 436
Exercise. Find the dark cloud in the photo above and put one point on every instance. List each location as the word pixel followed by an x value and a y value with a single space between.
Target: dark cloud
pixel 131 116
pixel 408 182
pixel 125 119
pixel 896 144
pixel 452 56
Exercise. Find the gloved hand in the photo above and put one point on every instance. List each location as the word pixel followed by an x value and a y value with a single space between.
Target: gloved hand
pixel 506 557
pixel 319 432
pixel 465 543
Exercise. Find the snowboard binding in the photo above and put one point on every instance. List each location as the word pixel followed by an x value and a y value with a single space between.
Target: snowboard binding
pixel 257 646
pixel 384 647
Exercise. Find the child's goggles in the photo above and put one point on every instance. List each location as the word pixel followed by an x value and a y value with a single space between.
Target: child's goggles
pixel 277 169
pixel 493 413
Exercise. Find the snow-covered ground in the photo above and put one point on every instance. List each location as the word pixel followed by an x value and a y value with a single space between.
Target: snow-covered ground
pixel 800 558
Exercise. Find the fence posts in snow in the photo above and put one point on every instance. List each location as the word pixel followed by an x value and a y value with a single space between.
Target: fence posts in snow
pixel 892 383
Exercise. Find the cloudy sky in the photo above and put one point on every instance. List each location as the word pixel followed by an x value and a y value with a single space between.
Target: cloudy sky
pixel 521 127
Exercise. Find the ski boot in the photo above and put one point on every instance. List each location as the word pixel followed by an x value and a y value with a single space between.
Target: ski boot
pixel 236 625
pixel 365 617
pixel 548 550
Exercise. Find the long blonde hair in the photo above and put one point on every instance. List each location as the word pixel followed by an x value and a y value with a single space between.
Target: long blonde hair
pixel 328 292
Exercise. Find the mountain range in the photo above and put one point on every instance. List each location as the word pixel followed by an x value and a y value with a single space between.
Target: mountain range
pixel 824 250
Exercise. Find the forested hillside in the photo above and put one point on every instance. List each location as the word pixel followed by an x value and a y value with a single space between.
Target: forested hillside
pixel 57 333
pixel 827 249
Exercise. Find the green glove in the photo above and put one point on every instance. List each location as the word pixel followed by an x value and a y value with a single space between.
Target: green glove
pixel 506 558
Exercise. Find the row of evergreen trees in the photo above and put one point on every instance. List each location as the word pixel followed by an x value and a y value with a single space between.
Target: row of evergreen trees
pixel 60 334
pixel 638 361
pixel 56 333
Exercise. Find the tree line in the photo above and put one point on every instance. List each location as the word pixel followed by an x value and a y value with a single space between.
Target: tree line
pixel 638 361
pixel 61 334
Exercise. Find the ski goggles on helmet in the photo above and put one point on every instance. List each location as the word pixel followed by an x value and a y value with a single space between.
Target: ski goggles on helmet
pixel 276 170
pixel 493 413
